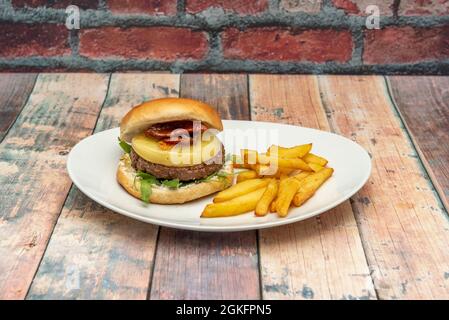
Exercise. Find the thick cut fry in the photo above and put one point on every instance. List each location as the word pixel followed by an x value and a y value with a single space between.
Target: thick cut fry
pixel 233 207
pixel 238 163
pixel 315 167
pixel 270 163
pixel 284 162
pixel 302 175
pixel 283 172
pixel 240 189
pixel 287 190
pixel 246 175
pixel 313 158
pixel 266 199
pixel 272 172
pixel 265 170
pixel 294 152
pixel 249 156
pixel 273 205
pixel 294 164
pixel 310 185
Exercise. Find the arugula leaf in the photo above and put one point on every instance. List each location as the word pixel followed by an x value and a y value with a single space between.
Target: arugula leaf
pixel 175 184
pixel 222 174
pixel 146 182
pixel 125 146
pixel 145 190
pixel 146 176
pixel 209 177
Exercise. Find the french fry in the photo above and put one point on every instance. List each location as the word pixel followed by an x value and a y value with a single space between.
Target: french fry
pixel 283 171
pixel 310 185
pixel 268 163
pixel 238 163
pixel 265 170
pixel 273 205
pixel 267 198
pixel 313 158
pixel 246 175
pixel 236 206
pixel 249 156
pixel 272 172
pixel 302 175
pixel 294 164
pixel 240 189
pixel 291 163
pixel 287 190
pixel 294 152
pixel 315 167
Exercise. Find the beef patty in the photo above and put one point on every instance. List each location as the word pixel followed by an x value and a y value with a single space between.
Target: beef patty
pixel 160 171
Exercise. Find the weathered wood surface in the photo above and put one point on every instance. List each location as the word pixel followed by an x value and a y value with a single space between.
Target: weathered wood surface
pixel 423 103
pixel 95 253
pixel 402 233
pixel 404 228
pixel 198 265
pixel 322 257
pixel 61 110
pixel 15 88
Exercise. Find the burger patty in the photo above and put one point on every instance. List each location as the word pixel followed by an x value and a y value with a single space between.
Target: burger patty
pixel 160 171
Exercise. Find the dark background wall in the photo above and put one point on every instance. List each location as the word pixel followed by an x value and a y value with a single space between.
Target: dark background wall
pixel 276 36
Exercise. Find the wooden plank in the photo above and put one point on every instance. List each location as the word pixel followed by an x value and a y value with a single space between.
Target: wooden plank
pixel 61 110
pixel 95 253
pixel 423 103
pixel 15 89
pixel 195 265
pixel 404 227
pixel 322 257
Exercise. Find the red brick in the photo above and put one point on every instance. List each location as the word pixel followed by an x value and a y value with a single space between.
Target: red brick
pixel 358 7
pixel 288 45
pixel 405 45
pixel 83 4
pixel 301 5
pixel 423 7
pixel 25 40
pixel 165 7
pixel 236 6
pixel 161 43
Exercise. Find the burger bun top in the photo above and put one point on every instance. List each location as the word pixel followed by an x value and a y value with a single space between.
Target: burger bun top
pixel 143 116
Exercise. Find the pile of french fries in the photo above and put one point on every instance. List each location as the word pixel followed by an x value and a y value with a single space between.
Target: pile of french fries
pixel 271 182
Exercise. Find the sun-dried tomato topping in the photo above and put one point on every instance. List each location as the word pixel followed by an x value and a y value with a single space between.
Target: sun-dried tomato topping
pixel 163 131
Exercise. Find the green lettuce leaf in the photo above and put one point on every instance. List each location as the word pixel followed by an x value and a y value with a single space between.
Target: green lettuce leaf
pixel 174 184
pixel 146 176
pixel 145 190
pixel 125 146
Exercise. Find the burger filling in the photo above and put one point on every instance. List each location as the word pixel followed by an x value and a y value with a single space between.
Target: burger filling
pixel 153 152
pixel 172 132
pixel 187 173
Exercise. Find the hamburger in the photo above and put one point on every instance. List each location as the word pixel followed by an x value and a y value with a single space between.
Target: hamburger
pixel 172 154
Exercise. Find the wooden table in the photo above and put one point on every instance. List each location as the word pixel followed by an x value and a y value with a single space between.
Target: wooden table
pixel 390 241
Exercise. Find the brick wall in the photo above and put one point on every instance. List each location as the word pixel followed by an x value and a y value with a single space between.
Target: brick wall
pixel 278 36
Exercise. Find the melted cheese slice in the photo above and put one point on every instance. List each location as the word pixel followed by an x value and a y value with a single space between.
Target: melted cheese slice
pixel 179 155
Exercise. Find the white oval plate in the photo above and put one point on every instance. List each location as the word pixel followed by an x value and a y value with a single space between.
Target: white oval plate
pixel 92 165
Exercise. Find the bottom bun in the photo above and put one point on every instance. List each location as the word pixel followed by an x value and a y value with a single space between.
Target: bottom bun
pixel 126 176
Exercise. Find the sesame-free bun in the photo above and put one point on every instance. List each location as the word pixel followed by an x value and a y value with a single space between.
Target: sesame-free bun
pixel 162 110
pixel 126 176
